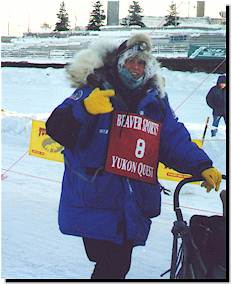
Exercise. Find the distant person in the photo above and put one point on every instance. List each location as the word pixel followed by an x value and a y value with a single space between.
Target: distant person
pixel 116 127
pixel 216 99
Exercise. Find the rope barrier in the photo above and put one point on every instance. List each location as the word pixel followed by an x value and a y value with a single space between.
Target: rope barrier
pixel 195 209
pixel 199 85
pixel 4 176
pixel 57 181
pixel 212 140
pixel 33 176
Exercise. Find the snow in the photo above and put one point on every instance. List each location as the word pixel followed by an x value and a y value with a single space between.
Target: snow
pixel 32 245
pixel 59 50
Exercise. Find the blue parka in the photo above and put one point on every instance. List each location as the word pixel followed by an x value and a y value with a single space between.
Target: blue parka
pixel 98 204
pixel 101 205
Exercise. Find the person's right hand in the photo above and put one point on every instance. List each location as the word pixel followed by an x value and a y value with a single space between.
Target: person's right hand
pixel 98 101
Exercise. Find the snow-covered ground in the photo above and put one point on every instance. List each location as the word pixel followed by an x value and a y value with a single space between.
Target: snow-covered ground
pixel 32 245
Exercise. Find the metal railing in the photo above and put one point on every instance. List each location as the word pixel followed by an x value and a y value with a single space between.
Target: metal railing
pixel 159 47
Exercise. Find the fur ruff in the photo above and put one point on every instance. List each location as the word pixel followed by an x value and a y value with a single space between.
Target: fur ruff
pixel 94 57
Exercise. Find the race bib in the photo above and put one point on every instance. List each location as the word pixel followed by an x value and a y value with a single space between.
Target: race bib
pixel 133 147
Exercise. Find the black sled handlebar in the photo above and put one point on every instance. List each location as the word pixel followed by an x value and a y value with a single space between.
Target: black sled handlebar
pixel 177 209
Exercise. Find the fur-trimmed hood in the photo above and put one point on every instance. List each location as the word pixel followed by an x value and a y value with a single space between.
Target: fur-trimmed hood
pixel 99 53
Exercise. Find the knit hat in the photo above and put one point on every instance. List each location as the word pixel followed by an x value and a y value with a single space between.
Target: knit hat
pixel 221 79
pixel 139 45
pixel 142 41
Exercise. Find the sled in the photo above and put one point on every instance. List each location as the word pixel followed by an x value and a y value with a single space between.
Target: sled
pixel 199 249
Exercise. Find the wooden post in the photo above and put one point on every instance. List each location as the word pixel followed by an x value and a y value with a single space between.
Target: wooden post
pixel 204 133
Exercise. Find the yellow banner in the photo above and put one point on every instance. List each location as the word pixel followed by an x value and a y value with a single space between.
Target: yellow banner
pixel 42 145
pixel 170 174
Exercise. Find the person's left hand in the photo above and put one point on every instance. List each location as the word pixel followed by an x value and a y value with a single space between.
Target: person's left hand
pixel 212 179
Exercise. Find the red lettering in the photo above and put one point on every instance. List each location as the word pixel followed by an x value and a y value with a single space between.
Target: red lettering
pixel 38 152
pixel 42 131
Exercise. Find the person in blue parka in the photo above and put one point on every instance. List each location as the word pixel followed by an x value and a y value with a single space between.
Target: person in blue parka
pixel 216 100
pixel 112 210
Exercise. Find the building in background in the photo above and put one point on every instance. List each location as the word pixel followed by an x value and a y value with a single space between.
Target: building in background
pixel 200 8
pixel 153 21
pixel 223 16
pixel 158 21
pixel 113 13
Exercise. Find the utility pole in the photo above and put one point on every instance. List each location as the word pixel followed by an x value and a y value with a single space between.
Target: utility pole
pixel 75 22
pixel 28 27
pixel 175 14
pixel 8 28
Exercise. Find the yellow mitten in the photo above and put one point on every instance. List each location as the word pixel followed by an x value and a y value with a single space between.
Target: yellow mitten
pixel 212 179
pixel 98 101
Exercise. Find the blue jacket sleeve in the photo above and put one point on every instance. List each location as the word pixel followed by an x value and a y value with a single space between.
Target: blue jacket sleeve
pixel 177 151
pixel 64 122
pixel 210 98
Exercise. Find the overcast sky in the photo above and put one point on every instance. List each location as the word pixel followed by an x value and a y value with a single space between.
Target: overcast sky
pixel 17 15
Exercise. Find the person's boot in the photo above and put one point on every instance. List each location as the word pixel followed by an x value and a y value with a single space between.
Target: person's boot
pixel 213 132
